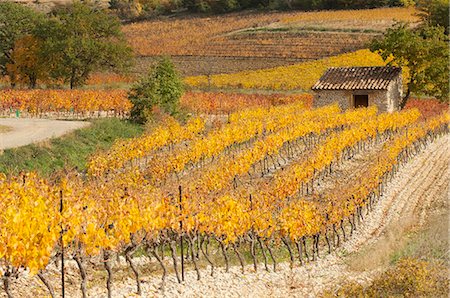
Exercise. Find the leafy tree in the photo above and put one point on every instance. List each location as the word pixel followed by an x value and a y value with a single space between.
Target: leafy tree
pixel 82 39
pixel 435 12
pixel 16 21
pixel 424 51
pixel 162 88
pixel 28 65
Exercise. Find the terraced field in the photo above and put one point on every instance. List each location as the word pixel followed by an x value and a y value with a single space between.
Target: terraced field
pixel 249 40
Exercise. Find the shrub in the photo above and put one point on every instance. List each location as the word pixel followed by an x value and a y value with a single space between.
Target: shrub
pixel 162 88
pixel 409 278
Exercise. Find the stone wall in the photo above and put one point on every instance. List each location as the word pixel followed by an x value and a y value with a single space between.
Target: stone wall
pixel 395 94
pixel 384 99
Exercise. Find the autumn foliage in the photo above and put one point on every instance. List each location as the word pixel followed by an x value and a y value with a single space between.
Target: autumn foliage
pixel 78 103
pixel 249 180
pixel 224 103
pixel 298 76
pixel 428 107
pixel 65 103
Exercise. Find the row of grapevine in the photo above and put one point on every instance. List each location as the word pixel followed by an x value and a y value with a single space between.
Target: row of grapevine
pixel 225 103
pixel 123 151
pixel 82 219
pixel 333 149
pixel 242 127
pixel 271 123
pixel 65 103
pixel 301 76
pixel 185 36
pixel 103 103
pixel 313 124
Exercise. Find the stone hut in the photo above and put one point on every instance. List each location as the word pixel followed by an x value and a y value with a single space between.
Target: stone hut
pixel 353 87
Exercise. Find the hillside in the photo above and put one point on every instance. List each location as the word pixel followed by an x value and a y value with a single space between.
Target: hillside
pixel 248 40
pixel 47 5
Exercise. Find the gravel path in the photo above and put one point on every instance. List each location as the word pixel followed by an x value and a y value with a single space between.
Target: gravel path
pixel 25 131
pixel 415 187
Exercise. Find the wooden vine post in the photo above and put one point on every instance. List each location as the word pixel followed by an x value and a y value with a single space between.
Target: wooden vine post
pixel 62 243
pixel 181 232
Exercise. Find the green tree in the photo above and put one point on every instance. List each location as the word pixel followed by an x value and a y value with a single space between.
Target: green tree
pixel 16 21
pixel 424 51
pixel 435 13
pixel 162 88
pixel 80 39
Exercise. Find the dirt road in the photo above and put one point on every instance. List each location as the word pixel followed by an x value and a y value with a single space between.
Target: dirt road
pixel 26 131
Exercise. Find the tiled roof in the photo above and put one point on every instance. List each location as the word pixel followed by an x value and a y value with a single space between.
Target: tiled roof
pixel 357 78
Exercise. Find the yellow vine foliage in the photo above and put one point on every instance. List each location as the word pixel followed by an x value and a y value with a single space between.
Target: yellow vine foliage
pixel 298 76
pixel 124 151
pixel 111 212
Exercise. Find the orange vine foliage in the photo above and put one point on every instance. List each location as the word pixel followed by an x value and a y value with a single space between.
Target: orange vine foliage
pixel 238 34
pixel 109 79
pixel 38 102
pixel 429 107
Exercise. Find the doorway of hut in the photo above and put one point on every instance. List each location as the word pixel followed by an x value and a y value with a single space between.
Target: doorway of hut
pixel 361 101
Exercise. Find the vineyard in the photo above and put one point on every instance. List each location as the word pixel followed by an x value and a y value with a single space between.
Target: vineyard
pixel 225 103
pixel 260 184
pixel 249 41
pixel 64 103
pixel 293 77
pixel 75 104
pixel 225 38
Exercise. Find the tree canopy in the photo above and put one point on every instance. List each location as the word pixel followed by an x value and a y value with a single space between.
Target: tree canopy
pixel 424 51
pixel 435 13
pixel 67 45
pixel 161 88
pixel 16 21
pixel 83 39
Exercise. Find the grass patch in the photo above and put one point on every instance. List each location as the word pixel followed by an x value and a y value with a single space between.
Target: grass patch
pixel 69 151
pixel 429 244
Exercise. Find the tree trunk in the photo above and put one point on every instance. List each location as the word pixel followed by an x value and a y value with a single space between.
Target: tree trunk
pixel 205 253
pixel 47 284
pixel 174 259
pixel 263 253
pixel 160 261
pixel 107 264
pixel 240 258
pixel 135 271
pixel 289 250
pixel 272 257
pixel 227 263
pixel 305 249
pixel 191 245
pixel 405 99
pixel 253 253
pixel 79 262
pixel 32 81
pixel 6 283
pixel 299 249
